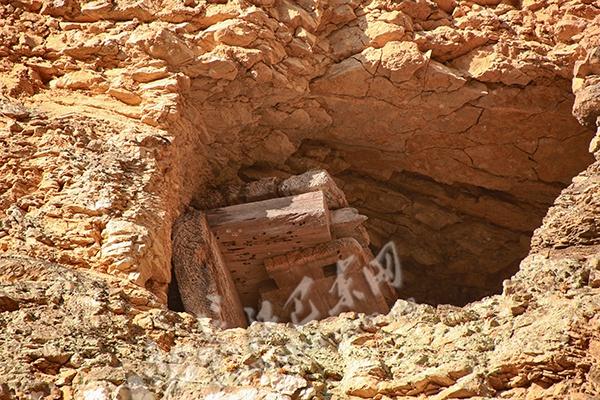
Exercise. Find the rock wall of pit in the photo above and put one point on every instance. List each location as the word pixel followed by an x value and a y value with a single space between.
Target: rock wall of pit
pixel 447 123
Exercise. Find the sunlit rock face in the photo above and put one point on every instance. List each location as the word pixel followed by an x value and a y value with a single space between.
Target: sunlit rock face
pixel 447 123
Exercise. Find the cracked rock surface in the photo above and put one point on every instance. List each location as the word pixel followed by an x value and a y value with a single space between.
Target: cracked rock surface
pixel 447 123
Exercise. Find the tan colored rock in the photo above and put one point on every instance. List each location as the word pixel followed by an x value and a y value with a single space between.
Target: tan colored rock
pixel 148 74
pixel 381 32
pixel 312 181
pixel 446 5
pixel 125 96
pixel 453 139
pixel 233 33
pixel 83 80
pixel 212 65
pixel 402 60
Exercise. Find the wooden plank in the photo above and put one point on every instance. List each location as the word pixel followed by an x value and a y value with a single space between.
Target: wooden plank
pixel 319 295
pixel 250 233
pixel 295 265
pixel 327 298
pixel 205 284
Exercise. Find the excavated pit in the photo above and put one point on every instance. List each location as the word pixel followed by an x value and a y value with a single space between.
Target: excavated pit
pixel 458 176
pixel 446 123
pixel 457 242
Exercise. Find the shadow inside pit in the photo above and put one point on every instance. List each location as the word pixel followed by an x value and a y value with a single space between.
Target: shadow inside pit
pixel 174 301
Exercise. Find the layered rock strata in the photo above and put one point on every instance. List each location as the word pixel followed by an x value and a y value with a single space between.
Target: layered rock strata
pixel 446 122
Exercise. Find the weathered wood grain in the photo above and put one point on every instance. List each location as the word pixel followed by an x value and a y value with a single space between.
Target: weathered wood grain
pixel 250 233
pixel 205 284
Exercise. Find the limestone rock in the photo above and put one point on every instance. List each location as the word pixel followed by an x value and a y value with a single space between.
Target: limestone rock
pixel 314 181
pixel 448 124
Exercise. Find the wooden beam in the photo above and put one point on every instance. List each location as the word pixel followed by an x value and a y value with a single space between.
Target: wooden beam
pixel 250 233
pixel 327 298
pixel 295 265
pixel 205 284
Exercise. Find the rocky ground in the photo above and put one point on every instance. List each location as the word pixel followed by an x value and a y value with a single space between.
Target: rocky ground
pixel 448 123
